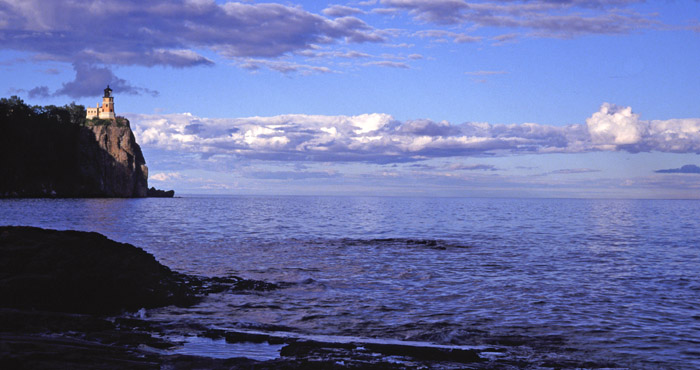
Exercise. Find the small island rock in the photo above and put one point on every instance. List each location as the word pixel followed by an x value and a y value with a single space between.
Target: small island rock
pixel 157 193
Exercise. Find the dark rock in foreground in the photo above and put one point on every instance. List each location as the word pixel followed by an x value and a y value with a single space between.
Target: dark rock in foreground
pixel 71 271
pixel 157 193
pixel 57 286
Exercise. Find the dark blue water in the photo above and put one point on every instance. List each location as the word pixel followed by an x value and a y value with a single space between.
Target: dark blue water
pixel 607 280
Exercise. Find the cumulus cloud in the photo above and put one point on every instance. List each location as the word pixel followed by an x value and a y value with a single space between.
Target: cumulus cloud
pixel 426 127
pixel 379 138
pixel 688 168
pixel 614 127
pixel 167 32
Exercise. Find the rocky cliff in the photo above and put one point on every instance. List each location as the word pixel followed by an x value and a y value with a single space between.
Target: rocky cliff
pixel 53 152
pixel 117 168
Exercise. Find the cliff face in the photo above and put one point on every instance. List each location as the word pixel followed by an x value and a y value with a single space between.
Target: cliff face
pixel 115 165
pixel 51 152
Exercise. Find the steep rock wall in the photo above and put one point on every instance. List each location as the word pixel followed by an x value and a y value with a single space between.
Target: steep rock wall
pixel 43 158
pixel 118 166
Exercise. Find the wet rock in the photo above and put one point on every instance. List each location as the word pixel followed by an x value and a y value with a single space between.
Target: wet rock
pixel 376 350
pixel 426 353
pixel 209 285
pixel 240 337
pixel 60 352
pixel 309 348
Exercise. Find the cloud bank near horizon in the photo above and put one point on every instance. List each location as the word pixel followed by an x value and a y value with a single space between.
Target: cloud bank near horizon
pixel 379 138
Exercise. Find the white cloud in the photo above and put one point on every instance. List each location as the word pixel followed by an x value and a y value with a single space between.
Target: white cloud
pixel 369 122
pixel 613 125
pixel 379 138
pixel 675 135
pixel 163 176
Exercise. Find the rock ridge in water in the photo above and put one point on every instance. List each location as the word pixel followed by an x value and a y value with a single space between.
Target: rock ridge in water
pixel 54 152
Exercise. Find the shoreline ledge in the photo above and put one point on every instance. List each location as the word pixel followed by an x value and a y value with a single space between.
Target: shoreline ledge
pixel 69 301
pixel 69 297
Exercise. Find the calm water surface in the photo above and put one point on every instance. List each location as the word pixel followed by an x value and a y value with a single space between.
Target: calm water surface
pixel 608 280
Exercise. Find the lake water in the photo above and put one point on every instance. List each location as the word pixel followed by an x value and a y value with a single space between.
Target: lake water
pixel 613 281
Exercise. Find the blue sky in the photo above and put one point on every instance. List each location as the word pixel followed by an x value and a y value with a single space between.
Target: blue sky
pixel 577 98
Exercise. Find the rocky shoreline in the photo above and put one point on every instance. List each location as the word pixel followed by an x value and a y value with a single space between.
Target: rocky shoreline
pixel 71 300
pixel 77 300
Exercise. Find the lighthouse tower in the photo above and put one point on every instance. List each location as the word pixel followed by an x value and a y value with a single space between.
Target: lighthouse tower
pixel 107 110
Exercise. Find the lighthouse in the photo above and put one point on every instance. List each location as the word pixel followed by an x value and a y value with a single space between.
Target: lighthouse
pixel 106 111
